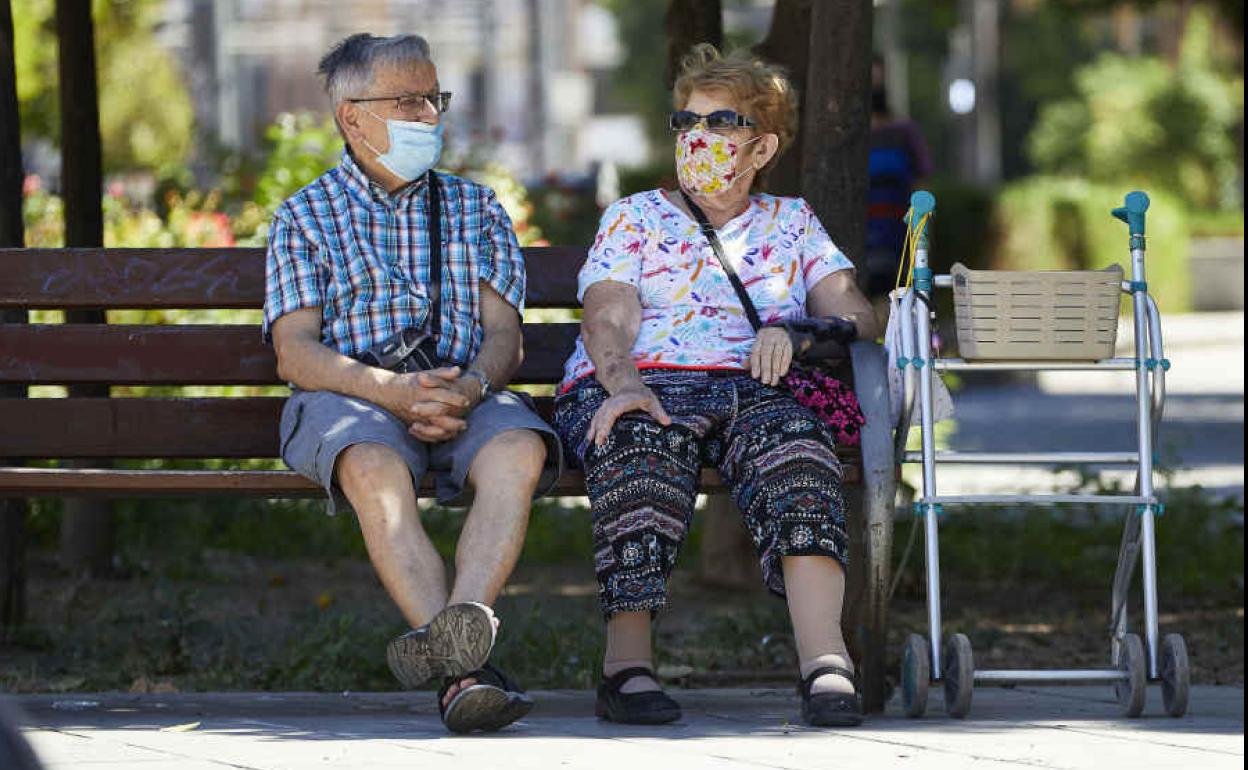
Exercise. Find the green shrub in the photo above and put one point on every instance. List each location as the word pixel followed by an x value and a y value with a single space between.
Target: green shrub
pixel 1143 122
pixel 1055 223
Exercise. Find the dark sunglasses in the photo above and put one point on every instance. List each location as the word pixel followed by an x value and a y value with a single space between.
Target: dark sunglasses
pixel 719 120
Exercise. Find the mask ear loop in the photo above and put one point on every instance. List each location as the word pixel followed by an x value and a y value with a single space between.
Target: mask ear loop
pixel 363 139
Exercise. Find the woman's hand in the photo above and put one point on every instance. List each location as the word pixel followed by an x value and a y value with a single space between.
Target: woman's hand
pixel 630 398
pixel 772 355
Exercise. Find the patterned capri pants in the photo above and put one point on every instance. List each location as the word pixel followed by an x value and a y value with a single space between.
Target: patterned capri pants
pixel 775 456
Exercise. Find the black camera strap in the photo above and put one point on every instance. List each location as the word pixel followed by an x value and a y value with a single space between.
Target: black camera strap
pixel 435 256
pixel 744 296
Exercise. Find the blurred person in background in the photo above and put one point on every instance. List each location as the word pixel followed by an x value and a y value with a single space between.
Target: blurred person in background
pixel 898 163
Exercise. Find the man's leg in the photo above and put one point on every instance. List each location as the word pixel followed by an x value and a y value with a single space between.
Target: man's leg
pixel 504 475
pixel 379 486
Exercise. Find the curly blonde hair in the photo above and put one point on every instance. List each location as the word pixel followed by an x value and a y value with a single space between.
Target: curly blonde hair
pixel 760 90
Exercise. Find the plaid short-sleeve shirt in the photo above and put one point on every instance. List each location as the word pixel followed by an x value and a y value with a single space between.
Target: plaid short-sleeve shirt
pixel 362 256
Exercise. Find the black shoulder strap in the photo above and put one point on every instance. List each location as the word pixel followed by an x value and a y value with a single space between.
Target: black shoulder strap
pixel 435 256
pixel 750 311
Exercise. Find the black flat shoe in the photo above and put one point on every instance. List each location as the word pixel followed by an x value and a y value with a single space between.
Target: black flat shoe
pixel 830 709
pixel 494 702
pixel 653 707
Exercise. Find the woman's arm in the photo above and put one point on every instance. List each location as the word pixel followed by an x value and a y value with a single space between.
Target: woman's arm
pixel 609 328
pixel 838 295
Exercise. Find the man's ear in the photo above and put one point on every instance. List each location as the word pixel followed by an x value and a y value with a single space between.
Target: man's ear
pixel 348 116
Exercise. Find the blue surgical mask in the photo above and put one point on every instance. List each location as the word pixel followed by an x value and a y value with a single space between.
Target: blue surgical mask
pixel 414 147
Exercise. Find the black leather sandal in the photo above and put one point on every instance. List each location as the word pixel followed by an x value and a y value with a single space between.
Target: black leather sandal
pixel 830 709
pixel 494 702
pixel 652 707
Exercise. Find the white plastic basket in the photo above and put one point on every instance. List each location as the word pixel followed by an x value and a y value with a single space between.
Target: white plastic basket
pixel 1061 315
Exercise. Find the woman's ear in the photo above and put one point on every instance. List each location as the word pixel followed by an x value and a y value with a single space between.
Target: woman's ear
pixel 767 146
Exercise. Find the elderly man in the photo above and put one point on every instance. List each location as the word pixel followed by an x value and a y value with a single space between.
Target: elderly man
pixel 393 302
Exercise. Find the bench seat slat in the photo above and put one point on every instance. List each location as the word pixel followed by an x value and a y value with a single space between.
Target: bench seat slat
pixel 95 279
pixel 76 354
pixel 109 482
pixel 175 428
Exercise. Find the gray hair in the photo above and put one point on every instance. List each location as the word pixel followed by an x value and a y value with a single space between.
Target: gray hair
pixel 348 67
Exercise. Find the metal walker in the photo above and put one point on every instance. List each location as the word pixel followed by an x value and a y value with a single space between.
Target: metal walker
pixel 1133 663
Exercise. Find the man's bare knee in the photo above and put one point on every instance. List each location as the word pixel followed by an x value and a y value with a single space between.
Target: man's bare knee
pixel 367 466
pixel 515 453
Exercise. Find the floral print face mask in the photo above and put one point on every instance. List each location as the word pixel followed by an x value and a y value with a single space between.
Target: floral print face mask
pixel 706 162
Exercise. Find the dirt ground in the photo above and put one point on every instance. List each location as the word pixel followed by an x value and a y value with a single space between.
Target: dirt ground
pixel 234 622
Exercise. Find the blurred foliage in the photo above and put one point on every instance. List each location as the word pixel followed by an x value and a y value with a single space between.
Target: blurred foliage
pixel 639 84
pixel 1053 223
pixel 146 118
pixel 566 214
pixel 300 148
pixel 192 220
pixel 1139 121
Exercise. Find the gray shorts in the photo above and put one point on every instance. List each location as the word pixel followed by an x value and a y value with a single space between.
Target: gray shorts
pixel 317 425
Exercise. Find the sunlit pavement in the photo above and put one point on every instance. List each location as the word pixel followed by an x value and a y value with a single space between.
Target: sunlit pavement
pixel 1061 727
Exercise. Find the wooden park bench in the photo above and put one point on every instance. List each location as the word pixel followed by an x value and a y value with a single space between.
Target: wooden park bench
pixel 246 427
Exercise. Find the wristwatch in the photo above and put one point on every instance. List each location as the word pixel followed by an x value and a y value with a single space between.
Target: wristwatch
pixel 485 381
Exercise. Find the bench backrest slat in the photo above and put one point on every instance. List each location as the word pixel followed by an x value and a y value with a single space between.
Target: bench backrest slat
pixel 68 354
pixel 51 428
pixel 83 279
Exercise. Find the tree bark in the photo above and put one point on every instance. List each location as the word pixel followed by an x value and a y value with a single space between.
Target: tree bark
pixel 836 120
pixel 836 125
pixel 12 512
pixel 87 526
pixel 690 22
pixel 726 558
pixel 788 44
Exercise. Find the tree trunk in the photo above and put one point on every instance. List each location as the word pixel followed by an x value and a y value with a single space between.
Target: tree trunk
pixel 836 124
pixel 836 120
pixel 12 512
pixel 87 527
pixel 726 558
pixel 690 22
pixel 788 44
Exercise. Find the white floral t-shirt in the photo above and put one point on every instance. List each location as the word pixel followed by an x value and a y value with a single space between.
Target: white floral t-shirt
pixel 690 316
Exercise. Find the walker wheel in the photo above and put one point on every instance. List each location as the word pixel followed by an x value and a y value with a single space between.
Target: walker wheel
pixel 1131 691
pixel 1176 676
pixel 916 675
pixel 959 675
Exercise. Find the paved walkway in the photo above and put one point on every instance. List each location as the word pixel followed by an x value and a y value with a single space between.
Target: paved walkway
pixel 1054 727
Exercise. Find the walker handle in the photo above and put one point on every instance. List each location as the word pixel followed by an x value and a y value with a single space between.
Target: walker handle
pixel 922 203
pixel 1133 212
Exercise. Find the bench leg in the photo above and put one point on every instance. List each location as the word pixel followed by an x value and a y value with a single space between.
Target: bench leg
pixel 12 565
pixel 879 483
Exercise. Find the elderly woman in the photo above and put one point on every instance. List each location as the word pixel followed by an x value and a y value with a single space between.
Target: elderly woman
pixel 670 373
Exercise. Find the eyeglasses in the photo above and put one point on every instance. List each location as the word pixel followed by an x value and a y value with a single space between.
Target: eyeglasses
pixel 413 104
pixel 719 120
